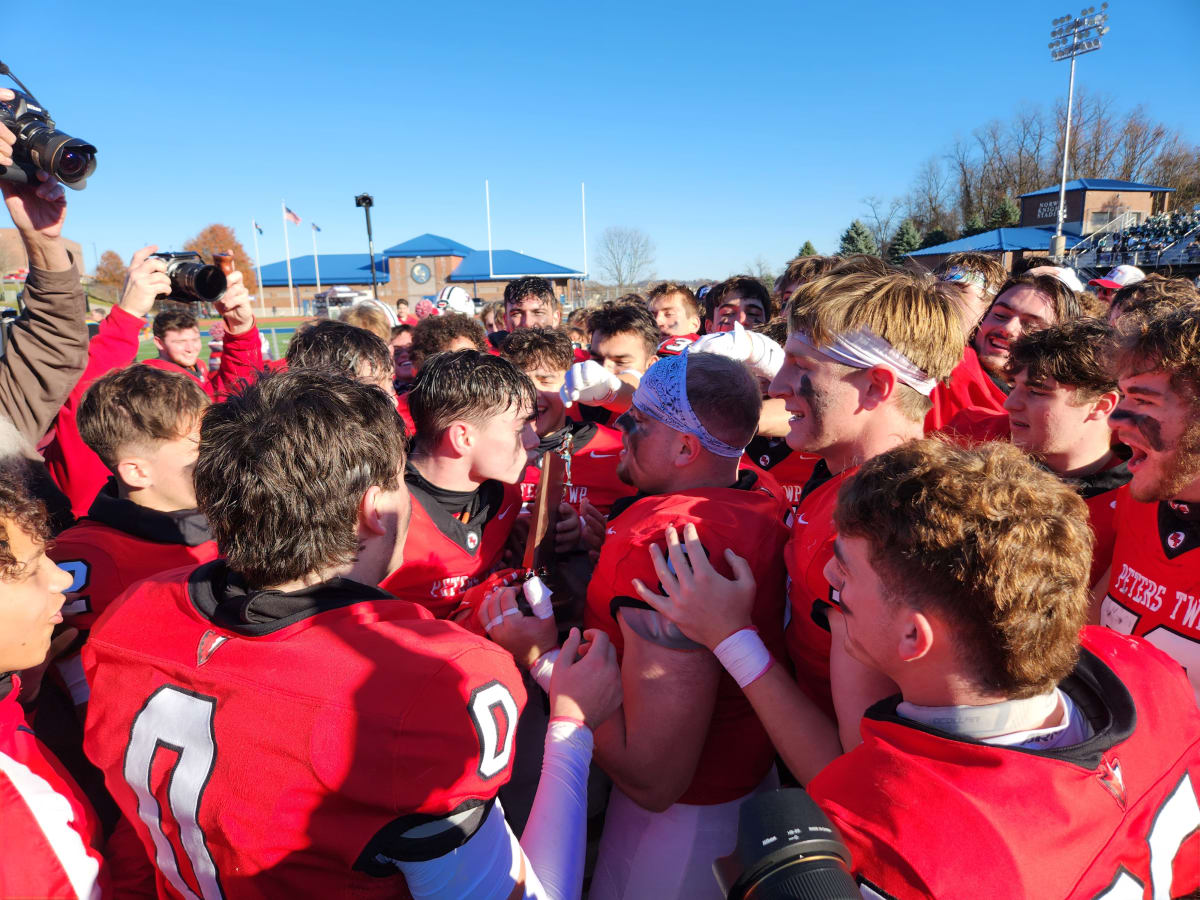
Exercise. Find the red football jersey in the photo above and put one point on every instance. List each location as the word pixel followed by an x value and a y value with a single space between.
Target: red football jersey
pixel 969 385
pixel 50 838
pixel 790 468
pixel 1099 492
pixel 807 554
pixel 262 757
pixel 1154 582
pixel 593 473
pixel 737 753
pixel 443 557
pixel 976 425
pixel 928 814
pixel 241 361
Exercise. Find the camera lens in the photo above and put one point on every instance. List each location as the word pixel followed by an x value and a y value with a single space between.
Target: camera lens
pixel 71 165
pixel 210 283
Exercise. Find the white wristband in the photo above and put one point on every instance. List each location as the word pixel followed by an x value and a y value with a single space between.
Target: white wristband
pixel 744 656
pixel 543 669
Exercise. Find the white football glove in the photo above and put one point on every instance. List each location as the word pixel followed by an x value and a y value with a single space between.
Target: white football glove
pixel 761 355
pixel 589 382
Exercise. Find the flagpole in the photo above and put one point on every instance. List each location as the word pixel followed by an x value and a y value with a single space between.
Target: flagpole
pixel 262 299
pixel 287 252
pixel 316 261
pixel 487 201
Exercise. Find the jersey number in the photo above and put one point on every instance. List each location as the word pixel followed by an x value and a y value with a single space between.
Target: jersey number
pixel 1177 818
pixel 180 722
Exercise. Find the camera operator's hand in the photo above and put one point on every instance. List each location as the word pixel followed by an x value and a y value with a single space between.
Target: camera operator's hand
pixel 527 638
pixel 586 685
pixel 145 280
pixel 38 211
pixel 7 138
pixel 234 307
pixel 706 606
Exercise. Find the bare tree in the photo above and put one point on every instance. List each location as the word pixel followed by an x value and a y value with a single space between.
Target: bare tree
pixel 881 219
pixel 625 255
pixel 928 202
pixel 761 269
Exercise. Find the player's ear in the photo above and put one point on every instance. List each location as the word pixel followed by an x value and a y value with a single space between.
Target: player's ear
pixel 1103 405
pixel 916 636
pixel 370 518
pixel 689 449
pixel 135 472
pixel 461 437
pixel 881 384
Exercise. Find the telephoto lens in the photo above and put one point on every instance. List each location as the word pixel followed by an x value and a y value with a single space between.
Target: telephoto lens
pixel 192 280
pixel 787 849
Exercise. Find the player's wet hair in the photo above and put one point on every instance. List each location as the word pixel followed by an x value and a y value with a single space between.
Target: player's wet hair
pixel 172 320
pixel 743 286
pixel 283 467
pixel 435 334
pixel 906 310
pixel 1153 294
pixel 529 348
pixel 1063 300
pixel 615 317
pixel 1073 353
pixel 21 508
pixel 1167 341
pixel 986 540
pixel 518 289
pixel 135 407
pixel 340 347
pixel 724 396
pixel 688 300
pixel 465 385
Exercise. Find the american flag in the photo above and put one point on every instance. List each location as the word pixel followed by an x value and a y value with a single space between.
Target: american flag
pixel 291 216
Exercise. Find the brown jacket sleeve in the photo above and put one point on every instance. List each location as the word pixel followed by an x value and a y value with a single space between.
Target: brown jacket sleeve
pixel 45 353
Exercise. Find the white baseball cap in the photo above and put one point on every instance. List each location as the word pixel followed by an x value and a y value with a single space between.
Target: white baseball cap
pixel 456 299
pixel 1119 277
pixel 1065 274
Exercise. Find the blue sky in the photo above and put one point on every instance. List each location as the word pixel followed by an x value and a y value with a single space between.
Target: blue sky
pixel 724 131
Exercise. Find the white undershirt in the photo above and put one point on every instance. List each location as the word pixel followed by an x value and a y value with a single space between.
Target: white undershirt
pixel 1006 724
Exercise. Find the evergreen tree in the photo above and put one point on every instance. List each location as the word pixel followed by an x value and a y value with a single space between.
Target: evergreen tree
pixel 857 239
pixel 934 237
pixel 1005 215
pixel 973 225
pixel 808 250
pixel 904 241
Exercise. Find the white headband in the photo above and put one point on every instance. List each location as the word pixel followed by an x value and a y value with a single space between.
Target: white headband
pixel 864 349
pixel 662 395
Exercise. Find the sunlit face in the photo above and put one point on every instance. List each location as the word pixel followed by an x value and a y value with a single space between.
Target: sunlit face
pixel 672 317
pixel 532 311
pixel 401 346
pixel 550 411
pixel 736 309
pixel 502 445
pixel 869 615
pixel 821 397
pixel 1161 428
pixel 170 466
pixel 30 601
pixel 647 450
pixel 620 352
pixel 180 347
pixel 1045 417
pixel 1018 311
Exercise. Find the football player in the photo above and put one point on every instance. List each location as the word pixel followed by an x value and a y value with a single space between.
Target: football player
pixel 1153 585
pixel 1062 395
pixel 624 345
pixel 742 300
pixel 474 415
pixel 675 309
pixel 144 424
pixel 286 728
pixel 688 747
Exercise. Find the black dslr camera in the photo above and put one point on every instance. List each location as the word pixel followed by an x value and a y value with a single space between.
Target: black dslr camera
pixel 787 849
pixel 192 279
pixel 41 146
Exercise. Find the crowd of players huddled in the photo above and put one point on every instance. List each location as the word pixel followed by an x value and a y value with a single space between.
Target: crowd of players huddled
pixel 926 544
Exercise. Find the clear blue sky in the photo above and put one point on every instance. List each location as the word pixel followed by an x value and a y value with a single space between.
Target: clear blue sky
pixel 723 130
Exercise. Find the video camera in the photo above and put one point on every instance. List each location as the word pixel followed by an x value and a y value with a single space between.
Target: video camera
pixel 41 146
pixel 787 849
pixel 192 279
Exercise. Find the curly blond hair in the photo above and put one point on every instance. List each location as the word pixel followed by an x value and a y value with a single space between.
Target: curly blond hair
pixel 989 542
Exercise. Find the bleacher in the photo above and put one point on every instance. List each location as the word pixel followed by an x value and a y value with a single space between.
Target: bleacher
pixel 1167 239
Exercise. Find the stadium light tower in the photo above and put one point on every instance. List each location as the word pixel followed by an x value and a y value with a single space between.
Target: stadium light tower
pixel 366 201
pixel 1071 36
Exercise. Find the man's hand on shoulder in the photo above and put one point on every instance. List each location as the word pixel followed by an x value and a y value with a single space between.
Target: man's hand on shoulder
pixel 234 307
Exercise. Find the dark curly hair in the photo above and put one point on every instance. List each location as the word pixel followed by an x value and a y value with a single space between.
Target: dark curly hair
pixel 21 508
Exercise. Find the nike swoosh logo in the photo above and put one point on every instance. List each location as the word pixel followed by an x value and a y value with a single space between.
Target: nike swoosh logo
pixel 602 455
pixel 611 531
pixel 800 518
pixel 503 514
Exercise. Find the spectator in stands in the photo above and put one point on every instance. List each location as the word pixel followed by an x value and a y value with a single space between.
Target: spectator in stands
pixel 403 316
pixel 739 299
pixel 1117 278
pixel 401 346
pixel 675 309
pixel 369 315
pixel 530 301
pixel 444 333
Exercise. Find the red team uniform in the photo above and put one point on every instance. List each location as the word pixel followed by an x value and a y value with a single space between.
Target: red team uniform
pixel 241 360
pixel 926 813
pixel 809 592
pixel 277 744
pixel 969 386
pixel 593 468
pixel 789 467
pixel 737 753
pixel 1154 581
pixel 445 556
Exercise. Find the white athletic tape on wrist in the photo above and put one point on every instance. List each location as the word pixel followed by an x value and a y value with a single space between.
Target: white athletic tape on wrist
pixel 543 669
pixel 744 656
pixel 538 597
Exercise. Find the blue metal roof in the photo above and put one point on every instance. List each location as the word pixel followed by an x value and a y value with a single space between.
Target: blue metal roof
pixel 336 268
pixel 1100 184
pixel 506 265
pixel 1000 239
pixel 428 245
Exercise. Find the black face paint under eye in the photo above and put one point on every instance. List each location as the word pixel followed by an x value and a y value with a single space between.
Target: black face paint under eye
pixel 806 389
pixel 626 422
pixel 1150 428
